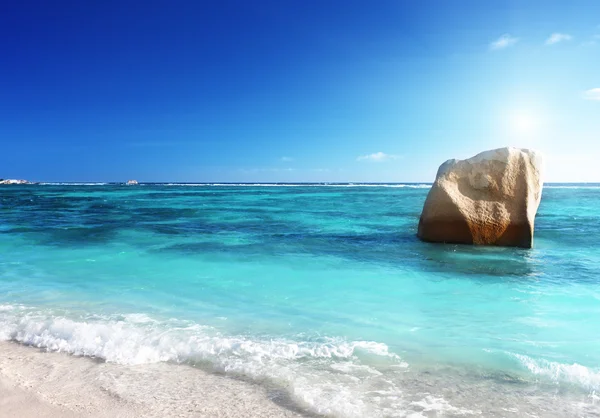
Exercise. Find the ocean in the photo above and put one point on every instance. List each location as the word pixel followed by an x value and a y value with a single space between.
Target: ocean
pixel 320 291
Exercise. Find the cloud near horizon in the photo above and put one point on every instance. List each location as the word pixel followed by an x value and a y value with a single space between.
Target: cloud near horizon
pixel 286 159
pixel 558 37
pixel 377 157
pixel 592 94
pixel 503 42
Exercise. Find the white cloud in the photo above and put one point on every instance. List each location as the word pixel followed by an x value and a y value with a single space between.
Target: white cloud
pixel 286 159
pixel 504 42
pixel 377 157
pixel 592 94
pixel 558 37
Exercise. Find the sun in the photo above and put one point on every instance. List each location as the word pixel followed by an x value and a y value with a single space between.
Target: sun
pixel 524 123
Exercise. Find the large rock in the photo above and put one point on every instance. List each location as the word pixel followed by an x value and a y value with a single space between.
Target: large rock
pixel 491 199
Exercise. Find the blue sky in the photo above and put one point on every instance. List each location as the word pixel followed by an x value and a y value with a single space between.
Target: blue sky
pixel 294 91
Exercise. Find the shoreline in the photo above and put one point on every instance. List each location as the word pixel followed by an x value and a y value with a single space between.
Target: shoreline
pixel 37 383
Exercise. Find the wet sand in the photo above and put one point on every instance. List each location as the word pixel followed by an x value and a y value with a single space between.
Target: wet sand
pixel 35 383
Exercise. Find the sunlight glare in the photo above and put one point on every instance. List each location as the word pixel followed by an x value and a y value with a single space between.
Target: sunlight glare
pixel 524 123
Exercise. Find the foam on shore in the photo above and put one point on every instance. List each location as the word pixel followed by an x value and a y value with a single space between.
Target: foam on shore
pixel 145 365
pixel 39 384
pixel 326 376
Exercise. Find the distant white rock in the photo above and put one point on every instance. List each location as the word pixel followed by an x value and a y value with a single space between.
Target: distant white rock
pixel 132 182
pixel 14 181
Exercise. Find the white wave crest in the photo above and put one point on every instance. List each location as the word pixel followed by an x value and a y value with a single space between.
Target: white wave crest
pixel 581 186
pixel 328 375
pixel 138 339
pixel 559 372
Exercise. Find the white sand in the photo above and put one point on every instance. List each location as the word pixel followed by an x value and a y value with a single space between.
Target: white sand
pixel 34 383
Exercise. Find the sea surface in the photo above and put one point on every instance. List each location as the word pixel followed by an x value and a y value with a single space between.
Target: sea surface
pixel 322 292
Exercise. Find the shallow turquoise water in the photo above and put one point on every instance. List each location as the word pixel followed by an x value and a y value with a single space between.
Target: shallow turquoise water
pixel 323 291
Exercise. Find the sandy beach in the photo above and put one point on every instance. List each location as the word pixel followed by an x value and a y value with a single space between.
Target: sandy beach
pixel 35 383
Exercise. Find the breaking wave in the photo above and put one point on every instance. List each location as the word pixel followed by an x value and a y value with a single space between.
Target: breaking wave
pixel 326 375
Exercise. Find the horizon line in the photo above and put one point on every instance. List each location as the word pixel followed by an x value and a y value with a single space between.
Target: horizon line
pixel 75 182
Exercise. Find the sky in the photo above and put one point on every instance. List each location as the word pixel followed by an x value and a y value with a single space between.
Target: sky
pixel 294 91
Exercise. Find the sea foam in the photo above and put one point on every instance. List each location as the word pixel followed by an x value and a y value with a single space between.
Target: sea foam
pixel 577 374
pixel 327 375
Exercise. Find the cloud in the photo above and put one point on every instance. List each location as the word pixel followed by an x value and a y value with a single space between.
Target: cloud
pixel 286 159
pixel 592 94
pixel 558 37
pixel 377 157
pixel 503 42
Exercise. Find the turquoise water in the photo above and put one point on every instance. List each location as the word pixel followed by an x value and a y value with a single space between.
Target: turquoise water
pixel 322 291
